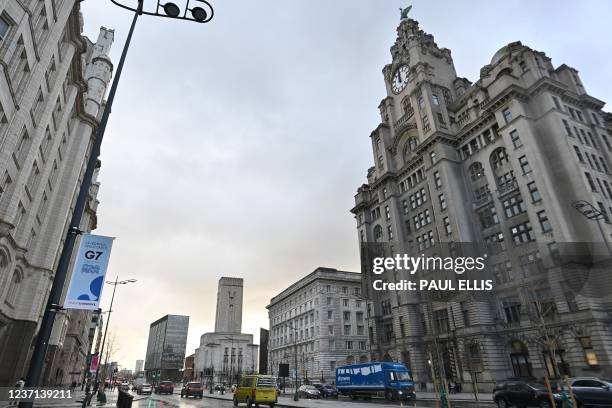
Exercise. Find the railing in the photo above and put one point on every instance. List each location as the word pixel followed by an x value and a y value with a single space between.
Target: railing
pixel 506 188
pixel 482 201
pixel 404 123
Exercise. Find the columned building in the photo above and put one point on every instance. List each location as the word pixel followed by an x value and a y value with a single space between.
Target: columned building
pixel 501 162
pixel 52 84
pixel 322 318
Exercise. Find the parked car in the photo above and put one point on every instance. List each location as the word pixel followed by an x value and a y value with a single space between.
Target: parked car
pixel 326 390
pixel 165 387
pixel 309 391
pixel 592 391
pixel 192 389
pixel 256 390
pixel 144 388
pixel 523 394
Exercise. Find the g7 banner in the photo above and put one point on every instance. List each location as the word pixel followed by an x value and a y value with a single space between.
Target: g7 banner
pixel 88 273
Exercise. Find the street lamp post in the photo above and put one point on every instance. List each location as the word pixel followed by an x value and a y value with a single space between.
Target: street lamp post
pixel 592 213
pixel 110 310
pixel 199 14
pixel 296 396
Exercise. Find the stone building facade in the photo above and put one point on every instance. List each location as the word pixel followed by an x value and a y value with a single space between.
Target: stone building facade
pixel 324 317
pixel 52 85
pixel 499 162
pixel 226 354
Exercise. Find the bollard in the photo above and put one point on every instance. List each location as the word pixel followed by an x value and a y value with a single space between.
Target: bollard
pixel 124 399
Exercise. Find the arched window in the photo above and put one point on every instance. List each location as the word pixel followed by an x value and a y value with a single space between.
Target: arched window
pixel 476 171
pixel 499 157
pixel 412 143
pixel 378 233
pixel 519 357
pixel 13 290
pixel 363 359
pixel 350 360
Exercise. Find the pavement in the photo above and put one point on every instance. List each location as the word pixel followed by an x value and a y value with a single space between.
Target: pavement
pixel 73 402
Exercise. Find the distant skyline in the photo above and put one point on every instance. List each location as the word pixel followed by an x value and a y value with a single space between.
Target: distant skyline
pixel 235 147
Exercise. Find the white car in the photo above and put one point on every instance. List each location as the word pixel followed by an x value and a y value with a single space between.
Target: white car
pixel 144 389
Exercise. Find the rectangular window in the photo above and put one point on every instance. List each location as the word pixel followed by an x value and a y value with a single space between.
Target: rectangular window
pixel 522 233
pixel 512 311
pixel 347 329
pixel 442 201
pixel 447 226
pixel 524 165
pixel 590 180
pixel 345 302
pixel 514 206
pixel 488 217
pixel 390 232
pixel 543 220
pixel 533 192
pixel 567 128
pixel 437 179
pixel 330 314
pixel 589 352
pixel 346 316
pixel 507 115
pixel 435 99
pixel 578 154
pixel 556 101
pixel 387 213
pixel 432 156
pixel 516 140
pixel 5 25
pixel 405 206
pixel 425 122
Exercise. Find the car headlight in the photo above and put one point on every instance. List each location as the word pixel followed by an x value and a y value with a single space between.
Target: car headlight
pixel 399 392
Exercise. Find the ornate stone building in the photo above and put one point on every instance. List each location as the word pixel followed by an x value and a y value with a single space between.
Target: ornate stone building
pixel 322 316
pixel 52 85
pixel 500 162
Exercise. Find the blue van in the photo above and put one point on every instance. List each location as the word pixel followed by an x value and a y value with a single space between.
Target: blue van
pixel 389 380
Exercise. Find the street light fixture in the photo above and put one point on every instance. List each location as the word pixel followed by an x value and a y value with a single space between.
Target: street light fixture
pixel 296 395
pixel 198 15
pixel 592 213
pixel 110 310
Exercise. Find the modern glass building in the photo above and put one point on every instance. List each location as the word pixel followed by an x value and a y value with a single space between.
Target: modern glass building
pixel 166 348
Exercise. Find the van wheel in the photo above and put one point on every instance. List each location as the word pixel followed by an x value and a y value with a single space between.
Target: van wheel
pixel 389 395
pixel 501 403
pixel 235 401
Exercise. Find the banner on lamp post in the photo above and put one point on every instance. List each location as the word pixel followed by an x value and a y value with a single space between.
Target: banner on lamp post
pixel 93 367
pixel 88 273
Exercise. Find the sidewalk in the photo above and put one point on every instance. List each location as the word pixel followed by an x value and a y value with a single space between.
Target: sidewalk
pixel 423 399
pixel 111 400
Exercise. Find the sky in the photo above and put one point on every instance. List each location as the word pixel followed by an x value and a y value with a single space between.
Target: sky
pixel 235 147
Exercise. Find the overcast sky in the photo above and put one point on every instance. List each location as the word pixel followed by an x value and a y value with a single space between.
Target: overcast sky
pixel 235 148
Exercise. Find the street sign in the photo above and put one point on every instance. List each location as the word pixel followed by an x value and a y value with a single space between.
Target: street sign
pixel 88 273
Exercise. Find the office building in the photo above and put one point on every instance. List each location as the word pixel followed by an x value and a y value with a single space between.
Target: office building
pixel 166 348
pixel 52 87
pixel 321 317
pixel 502 162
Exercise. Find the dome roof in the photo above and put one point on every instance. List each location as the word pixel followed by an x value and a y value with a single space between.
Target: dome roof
pixel 499 55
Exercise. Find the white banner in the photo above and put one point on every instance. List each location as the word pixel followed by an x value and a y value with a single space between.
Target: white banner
pixel 88 274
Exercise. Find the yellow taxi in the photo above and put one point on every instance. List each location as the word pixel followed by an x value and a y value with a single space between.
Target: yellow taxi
pixel 255 390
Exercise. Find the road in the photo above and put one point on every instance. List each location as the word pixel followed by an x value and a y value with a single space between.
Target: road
pixel 175 401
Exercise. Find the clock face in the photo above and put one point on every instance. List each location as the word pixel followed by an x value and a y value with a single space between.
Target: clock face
pixel 400 79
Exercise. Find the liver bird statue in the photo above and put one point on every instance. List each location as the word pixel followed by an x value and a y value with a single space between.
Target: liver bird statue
pixel 404 12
